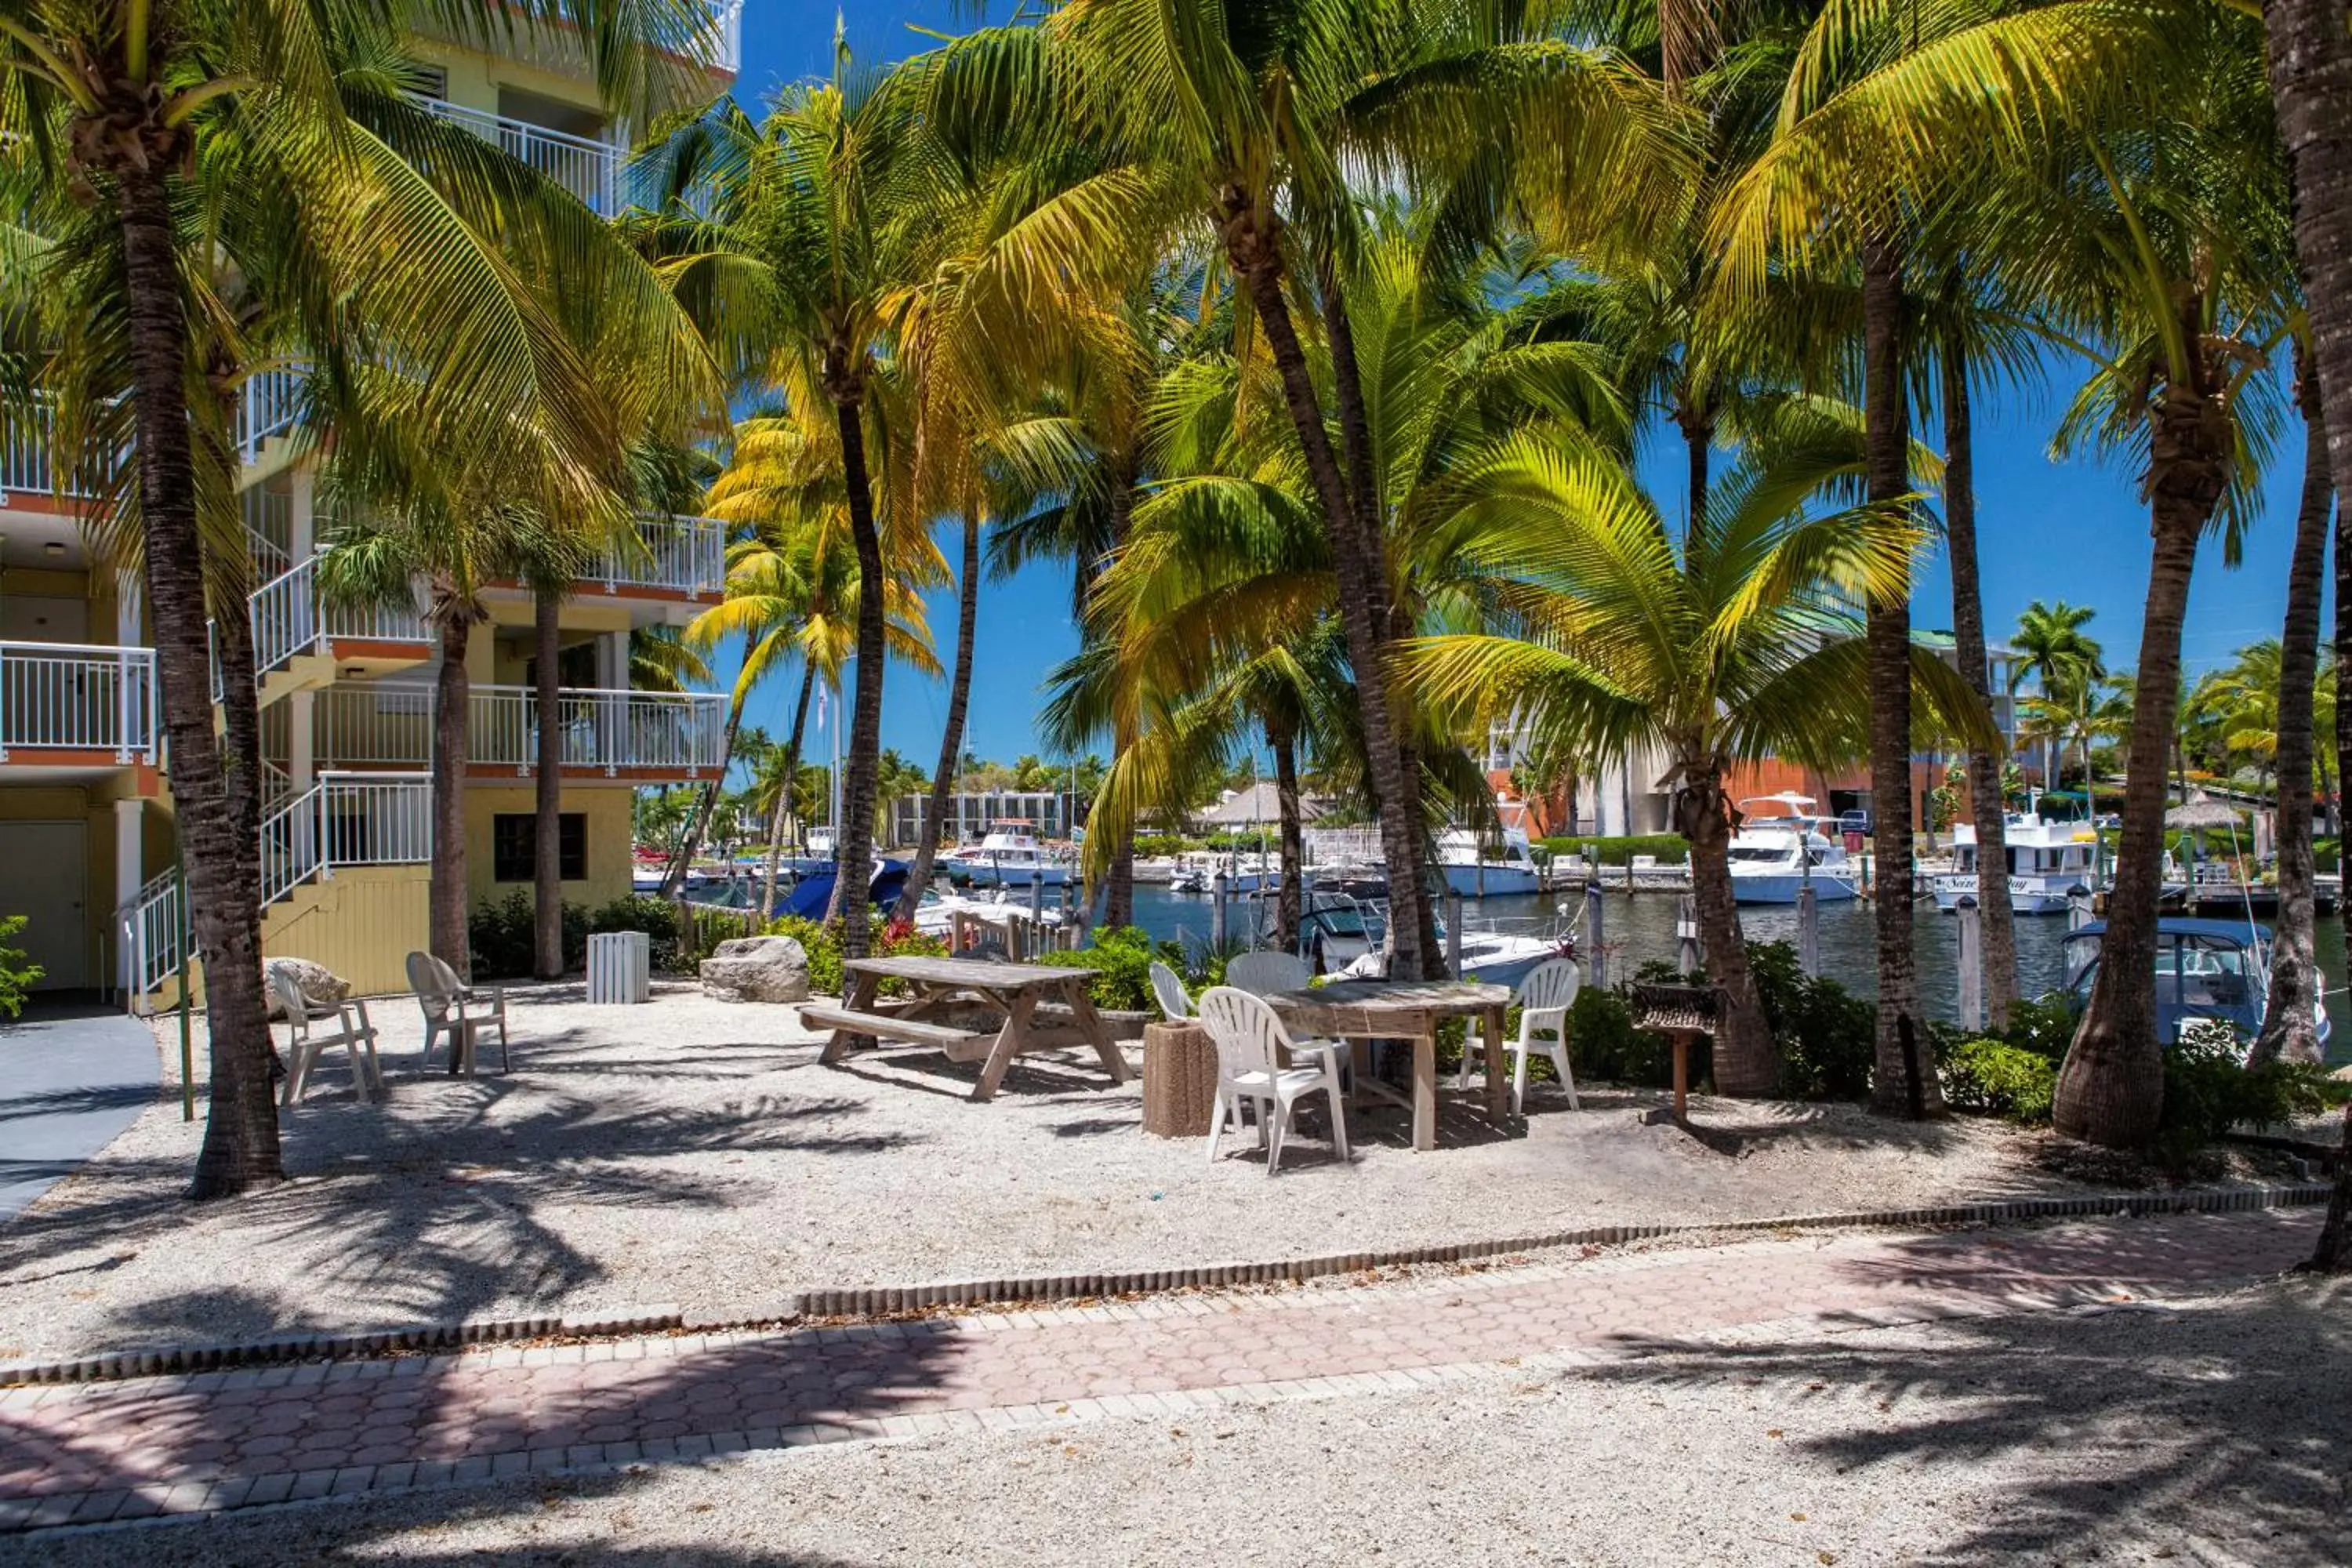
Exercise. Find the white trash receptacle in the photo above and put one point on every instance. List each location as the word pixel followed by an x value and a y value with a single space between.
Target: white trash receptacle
pixel 620 966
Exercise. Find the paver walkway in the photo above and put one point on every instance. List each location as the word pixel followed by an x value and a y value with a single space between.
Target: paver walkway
pixel 215 1440
pixel 70 1079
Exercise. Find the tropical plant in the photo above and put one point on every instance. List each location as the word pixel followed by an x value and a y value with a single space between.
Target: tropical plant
pixel 1735 641
pixel 18 974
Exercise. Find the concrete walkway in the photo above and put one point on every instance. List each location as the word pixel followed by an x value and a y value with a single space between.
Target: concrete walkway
pixel 70 1079
pixel 86 1453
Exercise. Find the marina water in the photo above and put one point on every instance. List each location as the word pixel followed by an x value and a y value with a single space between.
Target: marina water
pixel 1641 927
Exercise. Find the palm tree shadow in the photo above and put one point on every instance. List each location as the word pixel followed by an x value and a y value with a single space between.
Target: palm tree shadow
pixel 2088 1429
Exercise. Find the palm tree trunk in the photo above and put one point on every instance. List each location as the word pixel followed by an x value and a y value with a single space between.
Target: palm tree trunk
pixel 1258 260
pixel 1986 806
pixel 240 1149
pixel 1290 899
pixel 707 805
pixel 2334 1253
pixel 1902 1079
pixel 445 890
pixel 951 738
pixel 1747 1059
pixel 2111 1087
pixel 856 828
pixel 2289 1031
pixel 1698 440
pixel 782 810
pixel 1119 882
pixel 547 799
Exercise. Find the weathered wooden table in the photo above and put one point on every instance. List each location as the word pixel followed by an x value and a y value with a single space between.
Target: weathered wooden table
pixel 1406 1010
pixel 945 985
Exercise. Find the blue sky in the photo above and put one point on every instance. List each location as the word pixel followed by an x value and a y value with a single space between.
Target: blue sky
pixel 2074 530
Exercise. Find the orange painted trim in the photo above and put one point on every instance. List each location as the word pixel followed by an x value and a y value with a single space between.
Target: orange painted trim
pixel 64 757
pixel 342 648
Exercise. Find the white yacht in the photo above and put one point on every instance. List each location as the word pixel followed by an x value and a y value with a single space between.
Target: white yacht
pixel 2047 861
pixel 1777 853
pixel 1009 855
pixel 1470 873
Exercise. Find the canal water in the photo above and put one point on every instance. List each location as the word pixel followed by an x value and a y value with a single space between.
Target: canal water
pixel 1640 926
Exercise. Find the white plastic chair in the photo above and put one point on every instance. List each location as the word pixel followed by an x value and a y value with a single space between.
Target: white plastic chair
pixel 1262 973
pixel 1251 1046
pixel 1544 997
pixel 305 1045
pixel 456 1010
pixel 1170 991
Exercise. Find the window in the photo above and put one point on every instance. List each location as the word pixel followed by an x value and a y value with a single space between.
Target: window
pixel 514 844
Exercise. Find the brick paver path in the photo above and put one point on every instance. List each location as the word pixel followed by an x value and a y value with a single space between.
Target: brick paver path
pixel 110 1450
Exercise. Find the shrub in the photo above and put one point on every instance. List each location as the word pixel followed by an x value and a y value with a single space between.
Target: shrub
pixel 657 917
pixel 820 940
pixel 2207 1089
pixel 502 937
pixel 1828 1037
pixel 1671 849
pixel 1152 846
pixel 1602 1042
pixel 1994 1078
pixel 1121 958
pixel 16 972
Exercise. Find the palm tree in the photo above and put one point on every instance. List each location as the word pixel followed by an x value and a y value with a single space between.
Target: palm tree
pixel 1735 641
pixel 1238 118
pixel 128 102
pixel 2057 653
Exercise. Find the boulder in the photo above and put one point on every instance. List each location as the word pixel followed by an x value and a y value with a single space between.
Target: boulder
pixel 321 987
pixel 757 969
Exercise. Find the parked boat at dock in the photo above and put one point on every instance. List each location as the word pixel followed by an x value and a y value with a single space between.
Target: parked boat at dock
pixel 1009 855
pixel 1474 870
pixel 1776 854
pixel 2217 969
pixel 2048 860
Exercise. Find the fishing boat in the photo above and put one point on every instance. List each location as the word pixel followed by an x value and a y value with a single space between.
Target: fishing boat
pixel 1009 855
pixel 1334 930
pixel 1472 870
pixel 2048 861
pixel 2204 969
pixel 1777 854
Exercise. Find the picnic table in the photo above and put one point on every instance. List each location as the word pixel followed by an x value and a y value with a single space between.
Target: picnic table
pixel 1019 991
pixel 1406 1010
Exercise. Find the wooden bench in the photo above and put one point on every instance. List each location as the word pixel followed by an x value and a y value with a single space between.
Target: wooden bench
pixel 959 1045
pixel 1015 990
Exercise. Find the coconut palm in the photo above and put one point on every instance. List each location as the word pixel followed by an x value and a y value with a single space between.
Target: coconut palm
pixel 2055 652
pixel 1239 118
pixel 1734 640
pixel 128 102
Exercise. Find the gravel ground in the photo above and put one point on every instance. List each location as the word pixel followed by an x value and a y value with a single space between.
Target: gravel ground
pixel 2211 1431
pixel 694 1152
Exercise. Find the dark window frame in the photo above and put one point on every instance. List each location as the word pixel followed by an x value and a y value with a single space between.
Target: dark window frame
pixel 514 846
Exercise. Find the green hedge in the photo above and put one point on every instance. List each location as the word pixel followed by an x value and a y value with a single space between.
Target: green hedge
pixel 501 938
pixel 1670 848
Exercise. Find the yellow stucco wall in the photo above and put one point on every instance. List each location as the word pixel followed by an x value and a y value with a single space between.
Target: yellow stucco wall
pixel 362 922
pixel 607 809
pixel 68 803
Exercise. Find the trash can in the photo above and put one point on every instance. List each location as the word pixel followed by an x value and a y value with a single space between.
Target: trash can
pixel 1180 1080
pixel 620 967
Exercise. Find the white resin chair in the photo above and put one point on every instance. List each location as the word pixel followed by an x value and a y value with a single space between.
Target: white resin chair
pixel 456 1010
pixel 1543 997
pixel 306 1043
pixel 1170 992
pixel 1252 1045
pixel 1262 973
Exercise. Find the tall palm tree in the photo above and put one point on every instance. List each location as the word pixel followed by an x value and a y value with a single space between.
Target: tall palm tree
pixel 1238 118
pixel 125 101
pixel 1734 641
pixel 2065 660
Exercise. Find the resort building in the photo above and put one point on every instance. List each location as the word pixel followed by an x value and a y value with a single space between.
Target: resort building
pixel 87 829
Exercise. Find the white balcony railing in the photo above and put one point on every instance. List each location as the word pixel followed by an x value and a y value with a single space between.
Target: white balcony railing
pixel 344 819
pixel 290 618
pixel 28 433
pixel 390 725
pixel 592 170
pixel 685 555
pixel 671 733
pixel 66 696
pixel 271 403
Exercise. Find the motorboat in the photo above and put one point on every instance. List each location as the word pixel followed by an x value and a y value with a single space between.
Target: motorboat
pixel 2204 969
pixel 1009 855
pixel 2048 861
pixel 1506 953
pixel 1334 930
pixel 936 915
pixel 1476 870
pixel 1777 854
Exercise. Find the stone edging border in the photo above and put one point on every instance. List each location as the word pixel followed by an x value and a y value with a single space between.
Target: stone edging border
pixel 893 1300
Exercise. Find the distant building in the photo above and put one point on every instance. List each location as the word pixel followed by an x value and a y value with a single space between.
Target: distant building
pixel 1050 813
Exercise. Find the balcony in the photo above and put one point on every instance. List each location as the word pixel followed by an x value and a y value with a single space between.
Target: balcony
pixel 271 408
pixel 682 556
pixel 66 704
pixel 594 171
pixel 645 735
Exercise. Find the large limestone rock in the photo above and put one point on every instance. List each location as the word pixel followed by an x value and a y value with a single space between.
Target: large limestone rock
pixel 321 987
pixel 757 969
